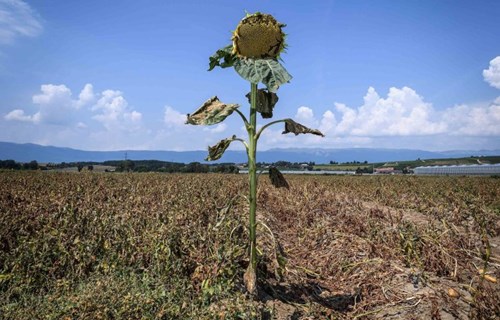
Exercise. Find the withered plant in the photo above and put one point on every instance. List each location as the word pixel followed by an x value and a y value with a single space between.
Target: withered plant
pixel 254 53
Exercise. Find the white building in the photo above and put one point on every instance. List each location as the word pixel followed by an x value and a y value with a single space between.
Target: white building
pixel 461 170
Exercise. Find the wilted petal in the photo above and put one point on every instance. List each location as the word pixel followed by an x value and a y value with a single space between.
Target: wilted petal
pixel 216 152
pixel 292 126
pixel 265 102
pixel 277 178
pixel 211 112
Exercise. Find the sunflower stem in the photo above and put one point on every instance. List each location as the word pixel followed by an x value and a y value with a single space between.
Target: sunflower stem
pixel 257 136
pixel 251 278
pixel 245 121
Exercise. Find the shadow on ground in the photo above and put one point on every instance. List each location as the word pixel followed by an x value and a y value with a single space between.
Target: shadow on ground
pixel 286 298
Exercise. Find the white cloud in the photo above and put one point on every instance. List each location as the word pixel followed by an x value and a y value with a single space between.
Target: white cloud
pixel 86 96
pixel 305 116
pixel 19 115
pixel 55 104
pixel 81 125
pixel 114 112
pixel 492 74
pixel 467 120
pixel 400 119
pixel 111 104
pixel 402 113
pixel 328 122
pixel 53 94
pixel 173 118
pixel 221 127
pixel 133 116
pixel 17 19
pixel 348 119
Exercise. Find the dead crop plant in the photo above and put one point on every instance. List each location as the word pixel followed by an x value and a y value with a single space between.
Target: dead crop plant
pixel 256 46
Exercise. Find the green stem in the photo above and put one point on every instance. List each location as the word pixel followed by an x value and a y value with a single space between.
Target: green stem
pixel 245 121
pixel 242 141
pixel 252 172
pixel 268 125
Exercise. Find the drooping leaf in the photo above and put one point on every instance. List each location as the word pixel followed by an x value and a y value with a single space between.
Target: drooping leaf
pixel 268 71
pixel 211 112
pixel 216 152
pixel 277 178
pixel 294 127
pixel 265 102
pixel 225 54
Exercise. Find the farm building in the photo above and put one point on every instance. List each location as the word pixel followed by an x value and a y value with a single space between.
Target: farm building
pixel 463 170
pixel 385 170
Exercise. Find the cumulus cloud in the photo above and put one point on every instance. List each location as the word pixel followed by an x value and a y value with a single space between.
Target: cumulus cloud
pixel 328 122
pixel 492 74
pixel 55 104
pixel 53 94
pixel 404 113
pixel 221 127
pixel 114 112
pixel 19 115
pixel 305 116
pixel 17 19
pixel 86 96
pixel 474 120
pixel 173 118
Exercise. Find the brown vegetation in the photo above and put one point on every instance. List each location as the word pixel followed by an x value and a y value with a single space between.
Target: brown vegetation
pixel 100 246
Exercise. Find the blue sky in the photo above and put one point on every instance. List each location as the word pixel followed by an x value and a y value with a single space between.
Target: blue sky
pixel 114 75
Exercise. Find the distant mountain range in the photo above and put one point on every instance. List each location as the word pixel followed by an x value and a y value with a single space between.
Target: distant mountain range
pixel 28 152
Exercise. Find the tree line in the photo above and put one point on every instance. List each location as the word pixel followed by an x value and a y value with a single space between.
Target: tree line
pixel 126 166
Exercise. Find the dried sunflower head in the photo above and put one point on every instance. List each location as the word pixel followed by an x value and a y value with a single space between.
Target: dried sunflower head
pixel 258 36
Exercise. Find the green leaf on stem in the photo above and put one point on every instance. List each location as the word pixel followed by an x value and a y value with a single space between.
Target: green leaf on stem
pixel 294 127
pixel 211 112
pixel 265 102
pixel 216 152
pixel 268 71
pixel 277 178
pixel 223 58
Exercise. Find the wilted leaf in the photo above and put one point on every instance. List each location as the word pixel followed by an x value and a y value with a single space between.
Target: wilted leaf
pixel 211 112
pixel 225 54
pixel 265 102
pixel 216 152
pixel 268 71
pixel 292 126
pixel 277 178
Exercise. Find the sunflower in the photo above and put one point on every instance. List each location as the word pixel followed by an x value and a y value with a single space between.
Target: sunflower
pixel 258 36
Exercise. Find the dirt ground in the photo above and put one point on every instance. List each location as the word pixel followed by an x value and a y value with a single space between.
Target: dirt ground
pixel 354 257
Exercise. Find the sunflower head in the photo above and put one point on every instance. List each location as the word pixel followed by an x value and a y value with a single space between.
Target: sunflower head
pixel 258 36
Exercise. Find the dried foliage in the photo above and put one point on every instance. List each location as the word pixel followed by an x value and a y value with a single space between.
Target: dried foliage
pixel 215 152
pixel 277 179
pixel 167 246
pixel 266 101
pixel 297 128
pixel 211 112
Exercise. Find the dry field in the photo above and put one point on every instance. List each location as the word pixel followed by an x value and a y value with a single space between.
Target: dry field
pixel 165 246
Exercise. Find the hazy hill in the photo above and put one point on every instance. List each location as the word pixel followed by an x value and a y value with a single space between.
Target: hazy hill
pixel 28 152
